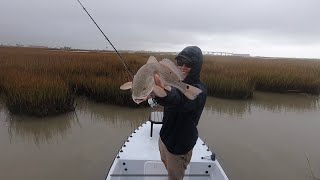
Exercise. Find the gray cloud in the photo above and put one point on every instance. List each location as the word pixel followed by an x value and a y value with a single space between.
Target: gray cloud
pixel 265 27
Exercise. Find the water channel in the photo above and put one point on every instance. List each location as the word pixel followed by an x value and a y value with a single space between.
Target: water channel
pixel 265 138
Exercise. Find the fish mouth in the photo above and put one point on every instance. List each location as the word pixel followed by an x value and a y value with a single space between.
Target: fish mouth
pixel 139 100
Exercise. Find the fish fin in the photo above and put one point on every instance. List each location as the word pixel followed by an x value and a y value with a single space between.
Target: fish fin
pixel 152 59
pixel 126 86
pixel 192 92
pixel 168 88
pixel 169 64
pixel 159 91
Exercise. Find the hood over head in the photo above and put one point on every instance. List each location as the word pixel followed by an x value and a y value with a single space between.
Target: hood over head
pixel 192 54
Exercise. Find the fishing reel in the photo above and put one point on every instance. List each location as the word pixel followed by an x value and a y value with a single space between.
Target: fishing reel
pixel 152 102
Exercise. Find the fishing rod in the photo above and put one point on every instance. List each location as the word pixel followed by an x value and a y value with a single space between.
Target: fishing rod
pixel 120 57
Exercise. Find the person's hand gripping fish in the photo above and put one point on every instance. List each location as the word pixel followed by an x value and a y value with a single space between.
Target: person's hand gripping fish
pixel 156 76
pixel 158 89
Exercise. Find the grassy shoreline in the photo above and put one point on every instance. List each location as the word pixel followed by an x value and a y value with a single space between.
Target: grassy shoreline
pixel 40 82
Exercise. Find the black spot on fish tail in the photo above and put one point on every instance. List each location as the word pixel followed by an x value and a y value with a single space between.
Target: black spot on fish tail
pixel 187 87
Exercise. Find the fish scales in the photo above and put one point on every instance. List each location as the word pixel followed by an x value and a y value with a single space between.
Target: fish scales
pixel 143 82
pixel 169 77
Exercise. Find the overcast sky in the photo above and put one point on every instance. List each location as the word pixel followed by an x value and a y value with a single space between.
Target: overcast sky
pixel 281 28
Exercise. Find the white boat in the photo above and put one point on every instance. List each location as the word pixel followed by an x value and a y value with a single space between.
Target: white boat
pixel 139 157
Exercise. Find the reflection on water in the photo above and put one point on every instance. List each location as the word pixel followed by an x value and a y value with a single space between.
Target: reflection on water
pixel 52 129
pixel 233 107
pixel 49 129
pixel 286 102
pixel 266 101
pixel 114 116
pixel 262 138
pixel 266 137
pixel 40 131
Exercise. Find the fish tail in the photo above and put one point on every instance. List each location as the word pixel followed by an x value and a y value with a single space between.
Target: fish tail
pixel 191 92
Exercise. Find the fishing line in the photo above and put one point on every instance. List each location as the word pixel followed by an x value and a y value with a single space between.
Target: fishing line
pixel 120 57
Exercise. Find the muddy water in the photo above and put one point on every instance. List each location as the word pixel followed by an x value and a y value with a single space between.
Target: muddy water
pixel 264 138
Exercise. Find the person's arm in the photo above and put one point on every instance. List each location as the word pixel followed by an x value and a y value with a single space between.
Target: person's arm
pixel 176 98
pixel 173 98
pixel 166 96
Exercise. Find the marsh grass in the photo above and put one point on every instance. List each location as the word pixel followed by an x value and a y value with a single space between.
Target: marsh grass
pixel 286 76
pixel 228 81
pixel 238 77
pixel 36 95
pixel 42 82
pixel 2 75
pixel 106 90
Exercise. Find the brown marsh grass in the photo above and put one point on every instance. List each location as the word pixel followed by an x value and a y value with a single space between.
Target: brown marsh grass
pixel 35 94
pixel 42 82
pixel 238 75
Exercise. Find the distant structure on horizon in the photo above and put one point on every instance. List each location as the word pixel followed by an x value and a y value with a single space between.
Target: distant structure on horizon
pixel 224 54
pixel 36 46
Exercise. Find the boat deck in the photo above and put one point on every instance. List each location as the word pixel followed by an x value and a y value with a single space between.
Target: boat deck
pixel 147 147
pixel 139 158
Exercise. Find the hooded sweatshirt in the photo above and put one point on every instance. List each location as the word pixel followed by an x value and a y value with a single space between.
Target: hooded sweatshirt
pixel 181 115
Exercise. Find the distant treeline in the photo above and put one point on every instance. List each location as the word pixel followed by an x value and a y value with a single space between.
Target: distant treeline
pixel 41 82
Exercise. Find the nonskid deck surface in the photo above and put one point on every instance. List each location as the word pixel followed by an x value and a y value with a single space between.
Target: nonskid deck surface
pixel 147 147
pixel 139 158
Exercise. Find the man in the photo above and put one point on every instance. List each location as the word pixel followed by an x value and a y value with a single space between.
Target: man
pixel 179 133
